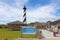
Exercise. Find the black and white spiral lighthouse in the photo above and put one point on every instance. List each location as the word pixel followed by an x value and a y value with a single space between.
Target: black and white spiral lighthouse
pixel 24 15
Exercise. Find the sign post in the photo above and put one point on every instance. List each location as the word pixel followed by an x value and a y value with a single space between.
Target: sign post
pixel 28 30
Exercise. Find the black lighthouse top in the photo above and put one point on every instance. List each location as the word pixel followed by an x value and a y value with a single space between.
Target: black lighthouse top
pixel 24 8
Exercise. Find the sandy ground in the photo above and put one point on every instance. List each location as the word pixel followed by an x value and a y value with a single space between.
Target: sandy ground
pixel 52 39
pixel 38 39
pixel 27 39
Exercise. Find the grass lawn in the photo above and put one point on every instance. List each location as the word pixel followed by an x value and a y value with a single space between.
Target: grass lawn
pixel 29 36
pixel 11 35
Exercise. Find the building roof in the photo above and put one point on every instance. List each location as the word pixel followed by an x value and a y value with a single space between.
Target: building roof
pixel 16 22
pixel 55 22
pixel 37 24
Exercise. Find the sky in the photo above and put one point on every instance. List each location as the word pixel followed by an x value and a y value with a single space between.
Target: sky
pixel 37 10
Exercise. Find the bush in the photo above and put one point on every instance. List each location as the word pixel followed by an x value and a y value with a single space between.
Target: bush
pixel 3 26
pixel 0 27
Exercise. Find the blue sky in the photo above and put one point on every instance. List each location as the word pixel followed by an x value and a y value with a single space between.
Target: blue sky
pixel 35 3
pixel 37 10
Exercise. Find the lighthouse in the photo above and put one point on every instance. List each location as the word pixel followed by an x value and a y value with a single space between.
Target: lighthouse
pixel 24 15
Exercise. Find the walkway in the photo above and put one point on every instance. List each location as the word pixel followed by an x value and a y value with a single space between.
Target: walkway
pixel 28 39
pixel 47 34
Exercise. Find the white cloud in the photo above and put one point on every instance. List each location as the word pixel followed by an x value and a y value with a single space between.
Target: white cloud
pixel 10 13
pixel 20 3
pixel 42 14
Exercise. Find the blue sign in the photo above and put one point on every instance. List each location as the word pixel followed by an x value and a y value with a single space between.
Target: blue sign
pixel 28 30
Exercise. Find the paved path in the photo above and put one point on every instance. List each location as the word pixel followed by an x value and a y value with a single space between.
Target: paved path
pixel 27 39
pixel 38 39
pixel 47 34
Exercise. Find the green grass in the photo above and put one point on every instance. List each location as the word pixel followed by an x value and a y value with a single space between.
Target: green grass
pixel 11 35
pixel 29 36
